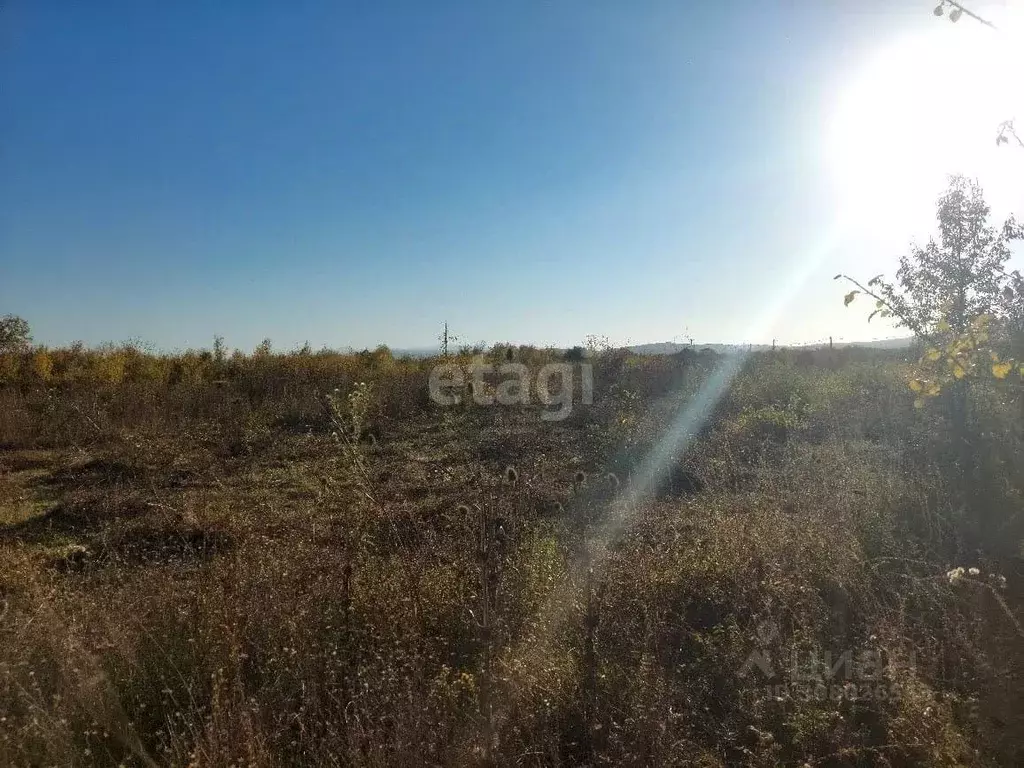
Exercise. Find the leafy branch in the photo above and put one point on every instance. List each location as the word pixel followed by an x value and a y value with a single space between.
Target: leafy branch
pixel 955 294
pixel 948 356
pixel 958 11
pixel 885 306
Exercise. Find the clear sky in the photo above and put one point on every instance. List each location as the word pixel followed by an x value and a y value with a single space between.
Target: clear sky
pixel 358 173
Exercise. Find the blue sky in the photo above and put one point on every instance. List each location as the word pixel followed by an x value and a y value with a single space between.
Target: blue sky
pixel 358 173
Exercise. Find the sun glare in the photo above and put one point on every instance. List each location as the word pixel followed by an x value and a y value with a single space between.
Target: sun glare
pixel 919 109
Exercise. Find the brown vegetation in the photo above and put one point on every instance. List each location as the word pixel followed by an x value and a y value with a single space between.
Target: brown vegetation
pixel 201 563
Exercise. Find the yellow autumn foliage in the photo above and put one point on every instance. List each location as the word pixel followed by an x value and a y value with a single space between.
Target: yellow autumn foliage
pixel 42 365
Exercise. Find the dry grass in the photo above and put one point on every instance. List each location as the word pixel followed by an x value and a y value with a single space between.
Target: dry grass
pixel 200 566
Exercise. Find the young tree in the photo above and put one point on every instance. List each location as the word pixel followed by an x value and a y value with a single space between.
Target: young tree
pixel 954 293
pixel 958 278
pixel 1012 311
pixel 14 333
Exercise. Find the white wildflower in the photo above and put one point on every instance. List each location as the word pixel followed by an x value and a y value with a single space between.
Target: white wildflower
pixel 955 575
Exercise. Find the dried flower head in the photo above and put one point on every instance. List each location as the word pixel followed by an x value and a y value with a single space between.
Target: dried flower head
pixel 511 475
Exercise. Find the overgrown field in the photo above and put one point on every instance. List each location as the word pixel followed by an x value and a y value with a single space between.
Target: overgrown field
pixel 302 560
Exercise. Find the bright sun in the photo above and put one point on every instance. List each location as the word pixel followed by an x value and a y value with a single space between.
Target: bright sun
pixel 921 108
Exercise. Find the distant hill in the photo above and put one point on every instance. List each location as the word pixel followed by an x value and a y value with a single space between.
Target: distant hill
pixel 903 343
pixel 416 352
pixel 671 347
